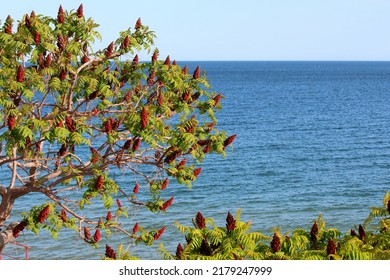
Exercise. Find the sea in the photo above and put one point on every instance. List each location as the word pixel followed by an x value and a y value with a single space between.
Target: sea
pixel 313 138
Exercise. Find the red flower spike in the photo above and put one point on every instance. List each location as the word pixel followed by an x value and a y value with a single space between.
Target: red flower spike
pixel 166 204
pixel 388 206
pixel 20 74
pixel 99 183
pixel 207 149
pixel 200 221
pixel 69 124
pixel 138 24
pixel 154 56
pixel 135 228
pixel 275 243
pixel 126 42
pixel 80 11
pixel 158 234
pixel 109 216
pixel 127 144
pixel 160 100
pixel 60 15
pixel 109 50
pixel 185 70
pixel 11 122
pixel 179 251
pixel 362 234
pixel 167 61
pixel 48 61
pixel 182 163
pixel 27 21
pixel 43 214
pixel 118 202
pixel 63 215
pixel 8 25
pixel 96 236
pixel 144 118
pixel 37 38
pixel 110 253
pixel 230 222
pixel 135 61
pixel 196 73
pixel 164 184
pixel 136 144
pixel 314 232
pixel 136 188
pixel 87 233
pixel 331 247
pixel 19 228
pixel 217 98
pixel 62 150
pixel 151 78
pixel 229 140
pixel 197 171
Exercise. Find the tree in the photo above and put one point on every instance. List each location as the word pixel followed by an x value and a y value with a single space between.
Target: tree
pixel 73 118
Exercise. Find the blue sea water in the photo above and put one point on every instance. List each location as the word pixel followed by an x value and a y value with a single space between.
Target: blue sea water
pixel 312 138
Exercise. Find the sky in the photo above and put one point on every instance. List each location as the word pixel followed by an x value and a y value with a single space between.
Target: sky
pixel 240 29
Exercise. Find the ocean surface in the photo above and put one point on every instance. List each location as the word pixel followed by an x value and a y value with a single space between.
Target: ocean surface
pixel 312 138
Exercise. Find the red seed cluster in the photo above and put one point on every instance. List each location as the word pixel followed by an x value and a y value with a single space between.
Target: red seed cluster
pixel 144 118
pixel 69 124
pixel 63 74
pixel 63 215
pixel 229 140
pixel 331 247
pixel 200 221
pixel 109 50
pixel 19 228
pixel 181 163
pixel 110 253
pixel 99 183
pixel 179 251
pixel 185 70
pixel 314 232
pixel 118 202
pixel 166 204
pixel 96 236
pixel 362 233
pixel 152 78
pixel 197 171
pixel 20 74
pixel 11 122
pixel 388 206
pixel 87 233
pixel 135 61
pixel 126 42
pixel 154 56
pixel 275 243
pixel 61 42
pixel 136 188
pixel 80 11
pixel 60 15
pixel 62 150
pixel 216 99
pixel 8 25
pixel 43 214
pixel 27 21
pixel 230 222
pixel 48 61
pixel 37 38
pixel 172 156
pixel 136 144
pixel 167 61
pixel 164 184
pixel 109 216
pixel 138 24
pixel 135 228
pixel 158 234
pixel 196 73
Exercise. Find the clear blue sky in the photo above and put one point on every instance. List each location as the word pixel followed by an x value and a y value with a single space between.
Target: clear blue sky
pixel 241 29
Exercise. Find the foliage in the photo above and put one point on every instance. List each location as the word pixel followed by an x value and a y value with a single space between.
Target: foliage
pixel 207 241
pixel 74 120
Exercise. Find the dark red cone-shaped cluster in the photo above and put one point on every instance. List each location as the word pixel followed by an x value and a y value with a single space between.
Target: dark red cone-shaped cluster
pixel 230 222
pixel 167 61
pixel 179 251
pixel 138 24
pixel 158 234
pixel 118 202
pixel 126 42
pixel 99 182
pixel 127 144
pixel 109 216
pixel 164 184
pixel 63 215
pixel 43 214
pixel 109 50
pixel 362 233
pixel 181 163
pixel 60 15
pixel 185 70
pixel 152 78
pixel 48 61
pixel 154 56
pixel 61 42
pixel 216 99
pixel 331 247
pixel 200 221
pixel 20 74
pixel 144 118
pixel 388 206
pixel 172 156
pixel 27 21
pixel 229 140
pixel 37 38
pixel 69 124
pixel 353 232
pixel 63 74
pixel 110 253
pixel 314 232
pixel 136 144
pixel 135 61
pixel 87 233
pixel 80 11
pixel 135 228
pixel 197 171
pixel 275 243
pixel 196 73
pixel 205 248
pixel 136 188
pixel 166 204
pixel 96 236
pixel 62 150
pixel 11 122
pixel 19 228
pixel 8 25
